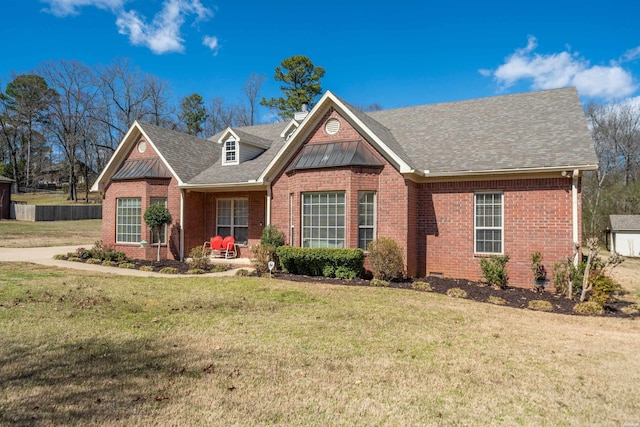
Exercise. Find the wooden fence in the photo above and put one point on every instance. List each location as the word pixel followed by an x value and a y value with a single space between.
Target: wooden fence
pixel 55 213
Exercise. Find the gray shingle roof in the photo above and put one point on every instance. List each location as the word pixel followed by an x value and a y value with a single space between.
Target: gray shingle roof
pixel 529 130
pixel 545 129
pixel 625 222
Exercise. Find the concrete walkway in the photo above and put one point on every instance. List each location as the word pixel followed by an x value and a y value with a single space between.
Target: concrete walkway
pixel 44 256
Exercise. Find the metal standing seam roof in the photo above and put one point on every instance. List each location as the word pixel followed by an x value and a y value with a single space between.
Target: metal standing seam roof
pixel 335 154
pixel 142 168
pixel 625 222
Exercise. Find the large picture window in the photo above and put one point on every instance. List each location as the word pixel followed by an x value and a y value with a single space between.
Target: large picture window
pixel 323 218
pixel 128 220
pixel 233 219
pixel 489 223
pixel 366 218
pixel 162 201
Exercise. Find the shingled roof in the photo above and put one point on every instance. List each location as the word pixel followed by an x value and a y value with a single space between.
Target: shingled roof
pixel 525 132
pixel 625 222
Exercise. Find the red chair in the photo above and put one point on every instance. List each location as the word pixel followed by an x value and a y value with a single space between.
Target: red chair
pixel 229 247
pixel 214 246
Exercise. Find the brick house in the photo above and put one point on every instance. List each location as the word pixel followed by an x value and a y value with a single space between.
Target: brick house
pixel 450 182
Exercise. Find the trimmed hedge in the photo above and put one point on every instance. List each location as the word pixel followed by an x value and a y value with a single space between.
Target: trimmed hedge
pixel 317 261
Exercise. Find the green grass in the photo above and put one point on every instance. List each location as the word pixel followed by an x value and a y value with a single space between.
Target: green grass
pixel 51 198
pixel 27 234
pixel 81 349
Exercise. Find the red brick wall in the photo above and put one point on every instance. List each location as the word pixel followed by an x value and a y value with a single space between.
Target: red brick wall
pixel 537 217
pixel 392 196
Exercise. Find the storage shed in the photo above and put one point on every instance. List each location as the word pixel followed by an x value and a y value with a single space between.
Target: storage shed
pixel 625 234
pixel 5 197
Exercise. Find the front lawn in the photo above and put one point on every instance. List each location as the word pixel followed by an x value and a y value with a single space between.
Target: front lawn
pixel 99 349
pixel 28 234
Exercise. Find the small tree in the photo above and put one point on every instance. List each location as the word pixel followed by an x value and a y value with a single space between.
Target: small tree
pixel 156 216
pixel 386 259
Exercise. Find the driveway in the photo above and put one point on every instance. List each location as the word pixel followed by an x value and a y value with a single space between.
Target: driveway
pixel 44 256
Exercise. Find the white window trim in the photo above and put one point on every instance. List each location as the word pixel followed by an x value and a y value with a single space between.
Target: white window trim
pixel 345 227
pixel 475 227
pixel 124 242
pixel 375 216
pixel 232 226
pixel 236 152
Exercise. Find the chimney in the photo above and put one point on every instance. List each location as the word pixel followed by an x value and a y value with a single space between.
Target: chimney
pixel 300 115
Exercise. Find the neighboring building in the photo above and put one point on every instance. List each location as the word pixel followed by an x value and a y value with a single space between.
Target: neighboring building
pixel 451 182
pixel 5 197
pixel 625 234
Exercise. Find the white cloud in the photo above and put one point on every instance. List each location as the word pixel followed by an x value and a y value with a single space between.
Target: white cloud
pixel 563 69
pixel 631 54
pixel 211 42
pixel 161 35
pixel 70 7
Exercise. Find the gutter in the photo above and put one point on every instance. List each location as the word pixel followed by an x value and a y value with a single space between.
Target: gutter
pixel 253 184
pixel 566 169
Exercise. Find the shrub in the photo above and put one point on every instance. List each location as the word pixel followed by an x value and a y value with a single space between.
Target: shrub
pixel 146 268
pixel 386 259
pixel 312 261
pixel 272 236
pixel 198 258
pixel 421 286
pixel 94 261
pixel 590 308
pixel 195 271
pixel 127 265
pixel 242 272
pixel 74 258
pixel 540 305
pixel 60 257
pixel 262 254
pixel 343 272
pixel 379 283
pixel 604 288
pixel 496 300
pixel 494 270
pixel 219 268
pixel 168 270
pixel 631 310
pixel 83 253
pixel 328 271
pixel 456 293
pixel 108 263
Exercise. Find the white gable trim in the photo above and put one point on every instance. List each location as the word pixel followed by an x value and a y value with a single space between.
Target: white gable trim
pixel 119 156
pixel 228 132
pixel 307 125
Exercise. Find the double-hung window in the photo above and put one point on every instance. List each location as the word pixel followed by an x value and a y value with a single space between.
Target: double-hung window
pixel 162 201
pixel 366 218
pixel 323 219
pixel 233 219
pixel 230 151
pixel 489 223
pixel 128 220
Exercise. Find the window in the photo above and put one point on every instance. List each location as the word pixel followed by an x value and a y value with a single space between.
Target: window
pixel 366 218
pixel 488 223
pixel 128 220
pixel 162 201
pixel 230 151
pixel 323 220
pixel 233 219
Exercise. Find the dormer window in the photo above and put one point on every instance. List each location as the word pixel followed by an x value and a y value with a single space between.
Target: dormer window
pixel 230 152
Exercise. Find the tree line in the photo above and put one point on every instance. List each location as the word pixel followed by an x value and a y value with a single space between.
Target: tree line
pixel 65 113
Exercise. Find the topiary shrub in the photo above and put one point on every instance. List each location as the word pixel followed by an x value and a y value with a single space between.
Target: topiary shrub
pixel 313 261
pixel 198 258
pixel 494 270
pixel 540 305
pixel 457 293
pixel 590 308
pixel 168 270
pixel 385 258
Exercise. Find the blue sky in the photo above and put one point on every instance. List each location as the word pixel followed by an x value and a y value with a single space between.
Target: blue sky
pixel 395 54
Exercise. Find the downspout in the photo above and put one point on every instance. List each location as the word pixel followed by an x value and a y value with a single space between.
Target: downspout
pixel 269 204
pixel 574 209
pixel 182 224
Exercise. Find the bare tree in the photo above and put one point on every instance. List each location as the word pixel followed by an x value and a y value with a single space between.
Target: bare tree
pixel 251 91
pixel 220 116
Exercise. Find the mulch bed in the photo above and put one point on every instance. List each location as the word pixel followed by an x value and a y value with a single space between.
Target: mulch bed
pixel 476 291
pixel 514 297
